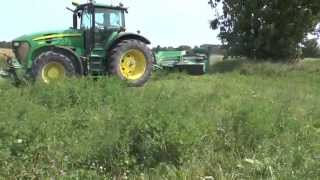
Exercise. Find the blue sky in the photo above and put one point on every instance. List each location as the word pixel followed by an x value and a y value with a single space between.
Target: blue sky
pixel 164 22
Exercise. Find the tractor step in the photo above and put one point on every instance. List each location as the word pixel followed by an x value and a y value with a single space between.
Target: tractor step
pixel 96 65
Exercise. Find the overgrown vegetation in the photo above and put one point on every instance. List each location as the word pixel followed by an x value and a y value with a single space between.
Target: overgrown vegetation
pixel 241 121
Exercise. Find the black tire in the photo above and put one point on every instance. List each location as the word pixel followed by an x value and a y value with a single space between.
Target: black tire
pixel 117 53
pixel 52 57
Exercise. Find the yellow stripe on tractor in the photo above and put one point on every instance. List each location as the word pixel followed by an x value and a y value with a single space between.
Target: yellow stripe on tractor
pixel 55 36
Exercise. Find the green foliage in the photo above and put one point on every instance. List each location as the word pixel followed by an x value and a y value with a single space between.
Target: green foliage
pixel 184 48
pixel 213 49
pixel 261 29
pixel 159 48
pixel 205 48
pixel 310 48
pixel 254 121
pixel 209 49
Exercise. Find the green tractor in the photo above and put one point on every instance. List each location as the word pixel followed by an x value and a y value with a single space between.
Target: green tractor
pixel 97 44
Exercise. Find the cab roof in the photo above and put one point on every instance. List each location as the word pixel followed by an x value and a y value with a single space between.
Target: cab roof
pixel 100 5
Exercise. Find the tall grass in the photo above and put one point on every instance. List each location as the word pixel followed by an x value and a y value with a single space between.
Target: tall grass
pixel 241 121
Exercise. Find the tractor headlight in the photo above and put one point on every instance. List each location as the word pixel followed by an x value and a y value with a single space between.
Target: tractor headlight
pixel 21 50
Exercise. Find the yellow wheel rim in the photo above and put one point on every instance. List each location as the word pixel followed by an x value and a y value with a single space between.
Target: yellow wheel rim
pixel 133 64
pixel 53 72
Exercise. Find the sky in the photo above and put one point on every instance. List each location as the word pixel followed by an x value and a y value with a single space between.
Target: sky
pixel 164 22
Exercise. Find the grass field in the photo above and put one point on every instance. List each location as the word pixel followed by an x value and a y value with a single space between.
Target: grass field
pixel 241 121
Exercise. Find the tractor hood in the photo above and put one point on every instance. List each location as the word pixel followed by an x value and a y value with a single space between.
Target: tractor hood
pixel 25 46
pixel 48 35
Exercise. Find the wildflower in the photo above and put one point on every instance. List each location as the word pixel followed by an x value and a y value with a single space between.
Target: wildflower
pixel 254 162
pixel 208 178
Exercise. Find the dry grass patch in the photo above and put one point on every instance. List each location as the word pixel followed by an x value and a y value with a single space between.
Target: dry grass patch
pixel 4 53
pixel 7 52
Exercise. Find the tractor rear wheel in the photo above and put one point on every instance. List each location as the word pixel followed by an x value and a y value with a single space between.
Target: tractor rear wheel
pixel 51 66
pixel 131 60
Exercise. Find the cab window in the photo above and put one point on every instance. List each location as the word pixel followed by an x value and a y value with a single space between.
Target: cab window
pixel 86 20
pixel 108 18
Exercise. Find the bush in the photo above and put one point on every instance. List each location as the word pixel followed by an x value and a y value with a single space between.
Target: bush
pixel 310 48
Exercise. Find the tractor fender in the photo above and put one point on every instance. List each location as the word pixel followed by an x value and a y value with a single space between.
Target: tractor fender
pixel 124 36
pixel 65 51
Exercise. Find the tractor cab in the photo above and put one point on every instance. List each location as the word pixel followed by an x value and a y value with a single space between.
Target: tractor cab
pixel 98 22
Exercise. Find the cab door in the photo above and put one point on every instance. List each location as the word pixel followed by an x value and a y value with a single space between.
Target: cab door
pixel 87 25
pixel 101 31
pixel 107 22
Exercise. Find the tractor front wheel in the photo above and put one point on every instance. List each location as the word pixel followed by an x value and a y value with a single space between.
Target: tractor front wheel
pixel 51 67
pixel 131 60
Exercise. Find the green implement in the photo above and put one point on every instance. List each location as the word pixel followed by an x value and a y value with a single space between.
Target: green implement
pixel 193 63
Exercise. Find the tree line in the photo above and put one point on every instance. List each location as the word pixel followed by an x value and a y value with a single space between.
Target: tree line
pixel 4 44
pixel 309 48
pixel 204 48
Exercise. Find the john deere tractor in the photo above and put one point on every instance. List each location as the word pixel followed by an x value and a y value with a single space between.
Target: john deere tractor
pixel 97 44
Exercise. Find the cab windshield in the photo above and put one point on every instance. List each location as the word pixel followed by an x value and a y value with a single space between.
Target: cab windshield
pixel 104 19
pixel 108 18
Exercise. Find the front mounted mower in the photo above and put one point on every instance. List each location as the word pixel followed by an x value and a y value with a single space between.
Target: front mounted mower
pixel 195 63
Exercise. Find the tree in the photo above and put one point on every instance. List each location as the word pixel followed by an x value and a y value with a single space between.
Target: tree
pixel 184 48
pixel 265 28
pixel 311 48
